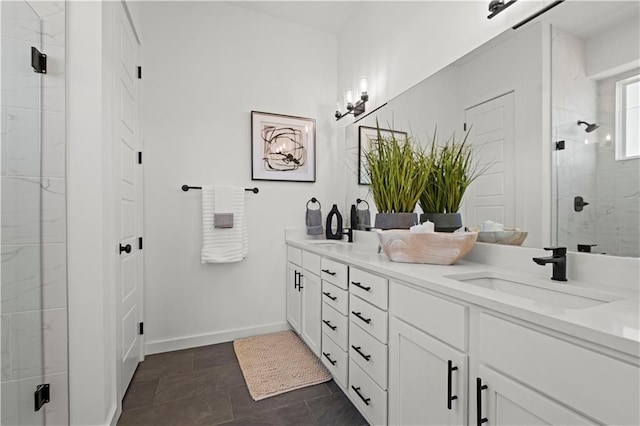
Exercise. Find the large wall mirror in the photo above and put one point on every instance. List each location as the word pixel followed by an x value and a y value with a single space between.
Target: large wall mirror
pixel 518 95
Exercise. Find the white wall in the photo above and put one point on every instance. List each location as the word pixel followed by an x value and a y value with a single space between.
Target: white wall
pixel 615 50
pixel 398 44
pixel 207 65
pixel 91 245
pixel 514 63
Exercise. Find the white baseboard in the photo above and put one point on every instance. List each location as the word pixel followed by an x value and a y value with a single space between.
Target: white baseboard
pixel 211 338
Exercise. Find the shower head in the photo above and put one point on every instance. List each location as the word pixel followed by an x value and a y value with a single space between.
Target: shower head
pixel 590 127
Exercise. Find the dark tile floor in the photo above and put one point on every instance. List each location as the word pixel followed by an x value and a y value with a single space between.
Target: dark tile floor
pixel 205 386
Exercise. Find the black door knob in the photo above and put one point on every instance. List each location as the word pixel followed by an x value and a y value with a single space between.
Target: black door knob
pixel 126 249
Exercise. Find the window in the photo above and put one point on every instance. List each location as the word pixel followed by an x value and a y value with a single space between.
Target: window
pixel 628 118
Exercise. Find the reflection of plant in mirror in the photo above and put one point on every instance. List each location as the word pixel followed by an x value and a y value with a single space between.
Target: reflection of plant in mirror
pixel 451 170
pixel 396 169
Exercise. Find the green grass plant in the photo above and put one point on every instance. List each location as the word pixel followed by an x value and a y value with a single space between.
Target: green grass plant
pixel 396 169
pixel 451 170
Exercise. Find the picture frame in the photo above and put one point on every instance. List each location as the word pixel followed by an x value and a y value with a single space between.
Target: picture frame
pixel 283 147
pixel 367 134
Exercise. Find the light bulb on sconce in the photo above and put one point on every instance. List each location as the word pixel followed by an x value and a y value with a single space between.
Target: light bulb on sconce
pixel 356 108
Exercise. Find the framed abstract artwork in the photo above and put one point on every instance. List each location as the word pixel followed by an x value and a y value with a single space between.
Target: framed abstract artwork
pixel 283 147
pixel 365 137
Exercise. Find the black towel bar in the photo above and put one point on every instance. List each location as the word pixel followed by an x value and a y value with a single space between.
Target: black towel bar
pixel 187 187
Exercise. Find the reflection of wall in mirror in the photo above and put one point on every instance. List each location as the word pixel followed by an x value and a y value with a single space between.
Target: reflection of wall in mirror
pixel 512 65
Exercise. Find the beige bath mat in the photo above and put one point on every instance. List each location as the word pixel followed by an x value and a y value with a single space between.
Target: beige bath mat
pixel 277 363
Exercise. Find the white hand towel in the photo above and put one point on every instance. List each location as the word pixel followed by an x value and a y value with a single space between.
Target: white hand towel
pixel 223 245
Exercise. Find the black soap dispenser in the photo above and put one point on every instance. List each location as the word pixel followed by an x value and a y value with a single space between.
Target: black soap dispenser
pixel 334 214
pixel 354 217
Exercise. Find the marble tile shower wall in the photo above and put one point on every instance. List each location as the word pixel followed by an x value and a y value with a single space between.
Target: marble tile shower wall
pixel 33 245
pixel 618 206
pixel 574 98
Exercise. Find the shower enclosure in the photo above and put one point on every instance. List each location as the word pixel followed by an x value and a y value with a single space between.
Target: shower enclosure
pixel 33 290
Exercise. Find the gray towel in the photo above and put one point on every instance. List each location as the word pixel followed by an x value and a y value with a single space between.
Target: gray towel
pixel 223 220
pixel 313 220
pixel 364 220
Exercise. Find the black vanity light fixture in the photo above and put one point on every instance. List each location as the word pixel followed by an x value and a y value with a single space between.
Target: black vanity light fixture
pixel 497 6
pixel 356 108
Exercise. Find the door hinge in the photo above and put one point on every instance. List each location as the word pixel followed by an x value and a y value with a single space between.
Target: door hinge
pixel 42 396
pixel 38 61
pixel 559 145
pixel 140 72
pixel 139 243
pixel 139 157
pixel 141 328
pixel 464 127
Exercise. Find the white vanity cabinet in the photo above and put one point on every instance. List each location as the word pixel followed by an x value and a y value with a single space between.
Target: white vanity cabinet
pixel 304 303
pixel 408 353
pixel 368 351
pixel 428 367
pixel 565 382
pixel 335 320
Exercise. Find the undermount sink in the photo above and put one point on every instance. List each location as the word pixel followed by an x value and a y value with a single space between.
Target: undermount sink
pixel 326 242
pixel 552 293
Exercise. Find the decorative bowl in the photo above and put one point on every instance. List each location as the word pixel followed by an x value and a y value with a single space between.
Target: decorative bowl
pixel 437 248
pixel 510 237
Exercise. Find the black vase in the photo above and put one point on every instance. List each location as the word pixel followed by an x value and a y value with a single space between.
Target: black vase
pixel 334 214
pixel 443 222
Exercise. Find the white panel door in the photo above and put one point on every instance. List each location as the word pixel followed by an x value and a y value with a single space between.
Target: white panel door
pixel 505 402
pixel 128 189
pixel 427 379
pixel 294 297
pixel 492 135
pixel 312 311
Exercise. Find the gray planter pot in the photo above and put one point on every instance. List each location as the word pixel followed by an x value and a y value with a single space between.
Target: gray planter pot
pixel 396 220
pixel 443 222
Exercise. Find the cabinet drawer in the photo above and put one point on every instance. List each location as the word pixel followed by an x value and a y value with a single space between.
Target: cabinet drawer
pixel 311 262
pixel 367 396
pixel 334 272
pixel 442 319
pixel 336 360
pixel 604 388
pixel 370 318
pixel 336 326
pixel 372 288
pixel 336 297
pixel 294 255
pixel 369 354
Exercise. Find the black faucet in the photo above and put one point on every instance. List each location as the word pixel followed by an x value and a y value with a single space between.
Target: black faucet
pixel 558 260
pixel 349 233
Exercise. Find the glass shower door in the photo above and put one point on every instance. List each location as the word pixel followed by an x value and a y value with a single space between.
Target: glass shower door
pixel 21 187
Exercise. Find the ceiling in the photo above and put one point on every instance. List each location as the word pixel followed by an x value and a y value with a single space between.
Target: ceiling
pixel 328 16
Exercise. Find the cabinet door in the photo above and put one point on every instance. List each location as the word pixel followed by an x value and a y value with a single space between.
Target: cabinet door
pixel 293 297
pixel 427 379
pixel 312 311
pixel 506 402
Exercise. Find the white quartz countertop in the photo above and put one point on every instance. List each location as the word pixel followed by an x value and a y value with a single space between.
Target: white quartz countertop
pixel 615 324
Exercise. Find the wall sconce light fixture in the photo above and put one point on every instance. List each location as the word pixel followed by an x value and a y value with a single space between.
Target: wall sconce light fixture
pixel 497 6
pixel 356 108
